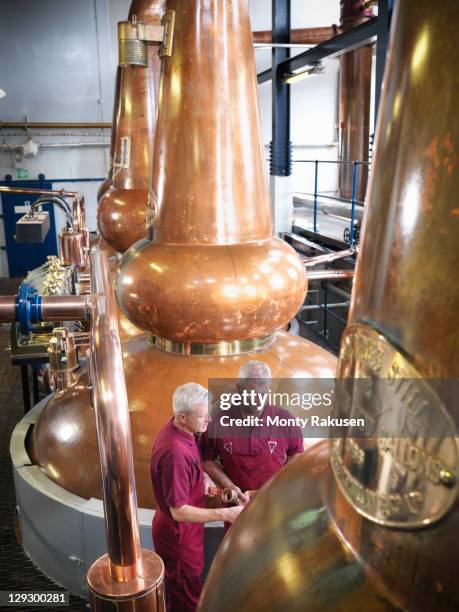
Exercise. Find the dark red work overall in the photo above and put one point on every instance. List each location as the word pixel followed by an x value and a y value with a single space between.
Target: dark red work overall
pixel 177 480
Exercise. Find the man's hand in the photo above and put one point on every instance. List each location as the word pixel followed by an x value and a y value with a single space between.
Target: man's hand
pixel 243 498
pixel 209 485
pixel 231 514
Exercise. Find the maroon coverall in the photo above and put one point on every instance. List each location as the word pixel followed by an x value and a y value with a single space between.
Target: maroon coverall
pixel 176 473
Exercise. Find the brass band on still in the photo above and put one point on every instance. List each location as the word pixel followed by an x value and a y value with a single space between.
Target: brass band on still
pixel 190 284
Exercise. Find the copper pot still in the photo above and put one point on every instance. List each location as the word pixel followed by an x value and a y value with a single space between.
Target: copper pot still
pixel 371 523
pixel 122 216
pixel 215 286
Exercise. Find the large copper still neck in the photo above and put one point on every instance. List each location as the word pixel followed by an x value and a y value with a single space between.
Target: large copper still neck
pixel 209 160
pixel 215 273
pixel 406 282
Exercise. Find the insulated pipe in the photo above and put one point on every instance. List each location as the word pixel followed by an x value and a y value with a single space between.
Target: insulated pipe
pixel 328 258
pixel 306 36
pixel 127 576
pixel 330 275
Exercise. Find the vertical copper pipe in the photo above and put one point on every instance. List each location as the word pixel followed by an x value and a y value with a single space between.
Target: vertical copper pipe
pixel 122 213
pixel 354 106
pixel 113 427
pixel 128 578
pixel 305 36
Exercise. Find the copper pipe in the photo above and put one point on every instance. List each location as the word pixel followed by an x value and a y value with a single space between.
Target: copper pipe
pixel 46 126
pixel 113 427
pixel 40 192
pixel 330 275
pixel 328 258
pixel 122 575
pixel 7 308
pixel 65 308
pixel 354 105
pixel 306 36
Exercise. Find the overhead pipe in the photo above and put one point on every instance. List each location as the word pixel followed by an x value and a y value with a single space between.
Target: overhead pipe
pixel 305 36
pixel 52 125
pixel 128 576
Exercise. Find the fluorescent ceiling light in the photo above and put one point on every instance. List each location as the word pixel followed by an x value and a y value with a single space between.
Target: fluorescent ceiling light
pixel 299 76
pixel 2 93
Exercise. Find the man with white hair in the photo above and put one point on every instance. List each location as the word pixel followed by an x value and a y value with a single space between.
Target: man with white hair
pixel 244 457
pixel 179 486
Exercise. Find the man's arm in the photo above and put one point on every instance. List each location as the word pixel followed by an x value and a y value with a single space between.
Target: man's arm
pixel 218 475
pixel 192 514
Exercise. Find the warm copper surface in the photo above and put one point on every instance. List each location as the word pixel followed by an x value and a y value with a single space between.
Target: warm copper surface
pixel 330 274
pixel 66 427
pixel 312 549
pixel 283 553
pixel 144 594
pixel 105 186
pixel 354 105
pixel 122 216
pixel 65 307
pixel 122 211
pixel 214 272
pixel 7 308
pixel 109 397
pixel 305 36
pixel 72 249
pixel 209 158
pixel 218 293
pixel 417 157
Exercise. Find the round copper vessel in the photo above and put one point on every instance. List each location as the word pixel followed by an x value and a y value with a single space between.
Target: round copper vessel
pixel 64 439
pixel 122 212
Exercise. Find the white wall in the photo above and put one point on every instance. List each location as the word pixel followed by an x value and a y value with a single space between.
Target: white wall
pixel 57 64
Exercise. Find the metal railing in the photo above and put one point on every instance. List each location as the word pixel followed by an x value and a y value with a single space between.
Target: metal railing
pixel 316 194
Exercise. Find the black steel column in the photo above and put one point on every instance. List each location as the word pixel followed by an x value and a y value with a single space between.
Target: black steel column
pixel 280 147
pixel 384 18
pixel 25 388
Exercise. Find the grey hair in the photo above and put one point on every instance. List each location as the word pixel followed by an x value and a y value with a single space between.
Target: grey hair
pixel 254 369
pixel 187 395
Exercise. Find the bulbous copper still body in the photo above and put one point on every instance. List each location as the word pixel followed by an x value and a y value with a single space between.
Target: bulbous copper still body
pixel 215 286
pixel 371 522
pixel 122 212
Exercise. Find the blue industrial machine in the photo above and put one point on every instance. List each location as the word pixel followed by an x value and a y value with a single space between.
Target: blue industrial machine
pixel 25 257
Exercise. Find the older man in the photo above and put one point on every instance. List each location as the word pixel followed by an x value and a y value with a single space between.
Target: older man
pixel 245 457
pixel 179 486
